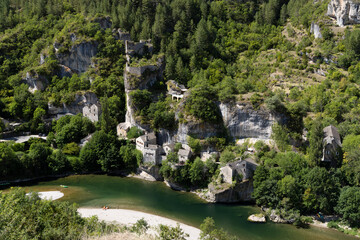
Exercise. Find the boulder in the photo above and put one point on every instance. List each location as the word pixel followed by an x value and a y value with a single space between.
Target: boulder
pixel 259 218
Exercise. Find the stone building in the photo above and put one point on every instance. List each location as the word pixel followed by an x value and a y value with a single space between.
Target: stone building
pixel 239 170
pixel 175 89
pixel 332 153
pixel 92 112
pixel 152 153
pixel 184 155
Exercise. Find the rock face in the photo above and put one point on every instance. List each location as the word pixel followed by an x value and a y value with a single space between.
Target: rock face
pixel 36 82
pixel 243 121
pixel 87 104
pixel 78 59
pixel 344 11
pixel 141 77
pixel 315 29
pixel 226 194
pixel 198 129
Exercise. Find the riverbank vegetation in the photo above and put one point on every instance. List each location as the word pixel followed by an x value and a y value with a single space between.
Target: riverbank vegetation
pixel 26 216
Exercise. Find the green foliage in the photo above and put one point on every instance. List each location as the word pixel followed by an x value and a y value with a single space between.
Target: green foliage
pixel 72 129
pixel 134 132
pixel 171 233
pixel 194 144
pixel 227 156
pixel 32 218
pixel 71 149
pixel 348 205
pixel 209 231
pixel 140 227
pixel 280 136
pixel 200 104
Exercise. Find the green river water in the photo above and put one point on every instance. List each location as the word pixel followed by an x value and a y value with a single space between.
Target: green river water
pixel 157 198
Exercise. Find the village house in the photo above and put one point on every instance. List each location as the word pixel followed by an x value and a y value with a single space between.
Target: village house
pixel 92 112
pixel 332 153
pixel 175 89
pixel 239 170
pixel 149 148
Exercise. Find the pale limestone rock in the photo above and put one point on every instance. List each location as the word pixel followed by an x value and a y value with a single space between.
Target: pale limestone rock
pixel 344 11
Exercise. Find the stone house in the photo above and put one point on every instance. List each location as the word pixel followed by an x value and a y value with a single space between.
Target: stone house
pixel 331 146
pixel 149 148
pixel 242 170
pixel 175 89
pixel 92 112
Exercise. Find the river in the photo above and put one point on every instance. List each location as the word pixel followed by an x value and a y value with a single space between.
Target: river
pixel 156 198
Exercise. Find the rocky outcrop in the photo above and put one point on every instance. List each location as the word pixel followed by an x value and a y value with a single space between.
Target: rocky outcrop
pixel 35 82
pixel 85 103
pixel 196 129
pixel 153 171
pixel 259 218
pixel 242 121
pixel 78 58
pixel 315 29
pixel 225 193
pixel 344 11
pixel 142 77
pixel 105 22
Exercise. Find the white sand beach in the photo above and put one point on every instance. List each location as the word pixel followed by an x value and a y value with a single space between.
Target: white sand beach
pixel 128 217
pixel 50 195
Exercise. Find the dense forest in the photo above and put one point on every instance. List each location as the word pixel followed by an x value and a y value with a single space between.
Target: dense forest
pixel 260 52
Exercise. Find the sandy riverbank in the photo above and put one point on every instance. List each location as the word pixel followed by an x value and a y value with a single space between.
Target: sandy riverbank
pixel 50 195
pixel 128 217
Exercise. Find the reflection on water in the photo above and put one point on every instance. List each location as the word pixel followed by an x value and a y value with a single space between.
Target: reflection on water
pixel 156 198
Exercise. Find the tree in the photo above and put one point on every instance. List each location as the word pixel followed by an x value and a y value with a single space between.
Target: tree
pixel 227 156
pixel 209 231
pixel 8 162
pixel 348 205
pixel 107 122
pixel 94 152
pixel 324 186
pixel 39 154
pixel 315 141
pixel 197 172
pixel 130 156
pixel 280 136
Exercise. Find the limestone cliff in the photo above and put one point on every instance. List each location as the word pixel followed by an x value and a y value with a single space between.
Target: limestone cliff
pixel 242 121
pixel 85 103
pixel 140 77
pixel 344 11
pixel 78 58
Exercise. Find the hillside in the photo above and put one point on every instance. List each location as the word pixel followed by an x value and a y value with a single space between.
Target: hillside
pixel 275 82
